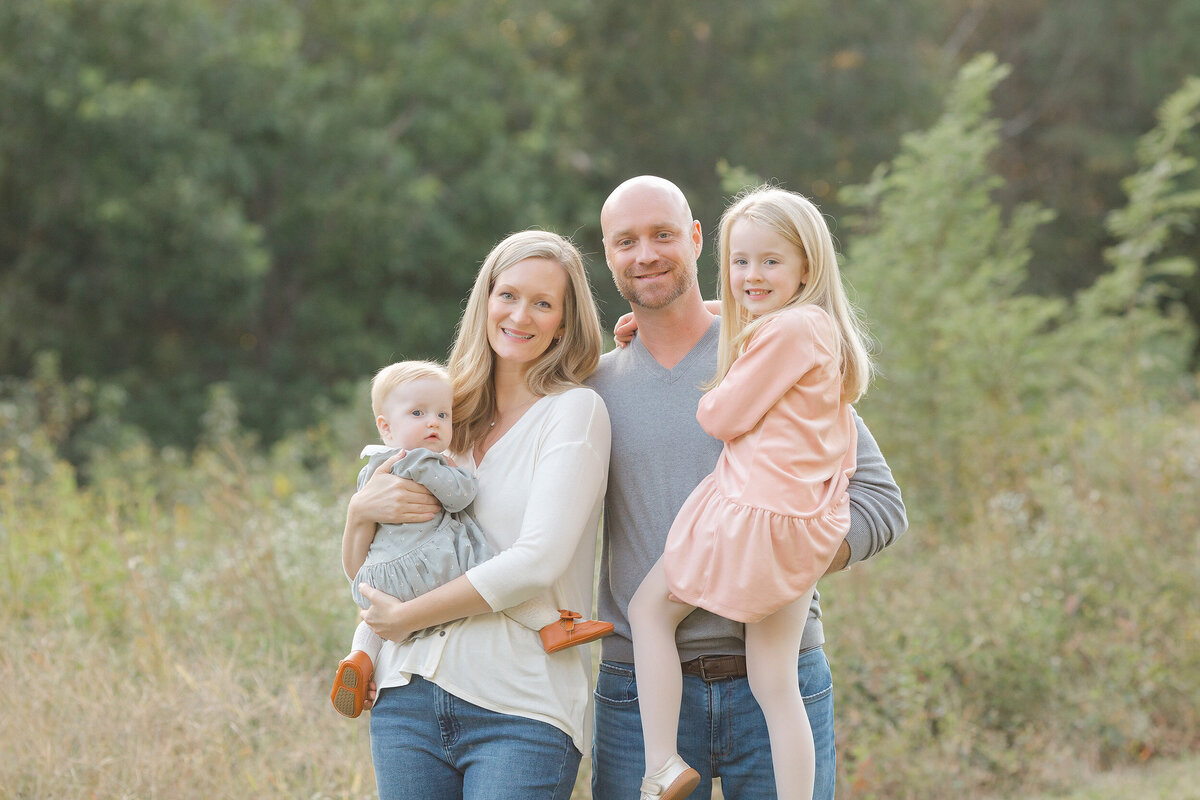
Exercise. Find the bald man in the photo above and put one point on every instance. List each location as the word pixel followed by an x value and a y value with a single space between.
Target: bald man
pixel 659 454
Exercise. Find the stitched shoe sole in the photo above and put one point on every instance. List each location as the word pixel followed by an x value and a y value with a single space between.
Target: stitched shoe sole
pixel 349 689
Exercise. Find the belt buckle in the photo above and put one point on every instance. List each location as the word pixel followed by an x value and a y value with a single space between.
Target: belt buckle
pixel 717 663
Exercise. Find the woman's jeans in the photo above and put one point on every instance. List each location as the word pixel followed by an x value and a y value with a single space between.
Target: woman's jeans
pixel 722 733
pixel 428 744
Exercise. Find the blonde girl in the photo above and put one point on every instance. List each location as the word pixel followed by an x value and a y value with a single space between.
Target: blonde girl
pixel 754 536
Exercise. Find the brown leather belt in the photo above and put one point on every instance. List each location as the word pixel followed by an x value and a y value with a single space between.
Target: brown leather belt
pixel 714 668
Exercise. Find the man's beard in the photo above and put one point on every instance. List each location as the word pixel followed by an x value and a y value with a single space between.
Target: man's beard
pixel 683 282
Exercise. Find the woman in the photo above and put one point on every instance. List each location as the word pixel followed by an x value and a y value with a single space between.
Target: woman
pixel 480 710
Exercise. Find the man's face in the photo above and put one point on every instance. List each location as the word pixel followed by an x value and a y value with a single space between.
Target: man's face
pixel 650 245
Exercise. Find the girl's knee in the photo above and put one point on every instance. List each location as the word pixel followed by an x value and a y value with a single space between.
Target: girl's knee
pixel 772 684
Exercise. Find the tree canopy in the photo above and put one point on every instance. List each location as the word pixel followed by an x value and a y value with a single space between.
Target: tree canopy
pixel 280 197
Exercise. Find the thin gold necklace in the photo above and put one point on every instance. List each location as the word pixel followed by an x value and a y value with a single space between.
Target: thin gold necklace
pixel 521 407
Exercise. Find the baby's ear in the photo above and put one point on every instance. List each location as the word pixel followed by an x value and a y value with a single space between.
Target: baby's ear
pixel 385 430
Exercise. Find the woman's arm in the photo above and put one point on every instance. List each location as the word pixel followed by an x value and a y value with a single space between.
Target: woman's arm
pixel 396 620
pixel 569 480
pixel 571 473
pixel 384 498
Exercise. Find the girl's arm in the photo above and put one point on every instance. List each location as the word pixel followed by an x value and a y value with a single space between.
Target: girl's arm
pixel 776 358
pixel 627 325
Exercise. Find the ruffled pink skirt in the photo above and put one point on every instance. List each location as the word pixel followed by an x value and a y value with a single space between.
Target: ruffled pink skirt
pixel 745 563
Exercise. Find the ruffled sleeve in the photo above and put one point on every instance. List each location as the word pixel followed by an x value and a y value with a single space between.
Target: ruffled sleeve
pixel 776 358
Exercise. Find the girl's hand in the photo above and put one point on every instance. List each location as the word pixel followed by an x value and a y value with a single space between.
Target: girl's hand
pixel 625 329
pixel 387 498
pixel 385 615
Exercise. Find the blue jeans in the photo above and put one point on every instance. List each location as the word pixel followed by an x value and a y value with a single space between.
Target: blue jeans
pixel 722 733
pixel 427 744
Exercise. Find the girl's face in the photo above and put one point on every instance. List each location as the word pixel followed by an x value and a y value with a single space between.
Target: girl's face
pixel 765 269
pixel 525 310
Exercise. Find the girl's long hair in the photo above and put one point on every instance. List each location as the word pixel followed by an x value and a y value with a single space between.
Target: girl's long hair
pixel 567 362
pixel 800 222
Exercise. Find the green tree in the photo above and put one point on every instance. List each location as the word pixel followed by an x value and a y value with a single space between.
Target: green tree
pixel 976 373
pixel 1087 76
pixel 281 197
pixel 813 94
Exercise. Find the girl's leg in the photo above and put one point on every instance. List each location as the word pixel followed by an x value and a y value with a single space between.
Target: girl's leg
pixel 653 619
pixel 772 646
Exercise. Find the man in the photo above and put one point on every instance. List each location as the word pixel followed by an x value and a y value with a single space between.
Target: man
pixel 659 454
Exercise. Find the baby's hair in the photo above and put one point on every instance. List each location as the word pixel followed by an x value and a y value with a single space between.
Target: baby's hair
pixel 797 219
pixel 400 373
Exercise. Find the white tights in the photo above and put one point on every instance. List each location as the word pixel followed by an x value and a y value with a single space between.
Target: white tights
pixel 771 649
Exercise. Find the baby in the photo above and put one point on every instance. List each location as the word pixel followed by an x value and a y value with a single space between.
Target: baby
pixel 412 402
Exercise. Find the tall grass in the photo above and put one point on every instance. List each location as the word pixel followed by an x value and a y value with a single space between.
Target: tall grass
pixel 170 621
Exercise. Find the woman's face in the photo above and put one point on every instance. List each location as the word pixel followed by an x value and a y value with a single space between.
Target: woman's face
pixel 525 310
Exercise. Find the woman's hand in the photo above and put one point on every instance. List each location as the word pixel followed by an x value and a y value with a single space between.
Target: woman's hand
pixel 387 498
pixel 385 615
pixel 625 329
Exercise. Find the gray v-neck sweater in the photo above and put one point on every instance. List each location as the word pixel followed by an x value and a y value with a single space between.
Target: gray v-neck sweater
pixel 659 454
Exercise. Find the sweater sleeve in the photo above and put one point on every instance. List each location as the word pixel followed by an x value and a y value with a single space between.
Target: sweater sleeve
pixel 776 358
pixel 569 477
pixel 877 514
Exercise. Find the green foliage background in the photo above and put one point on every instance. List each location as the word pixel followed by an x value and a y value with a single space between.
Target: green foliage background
pixel 219 217
pixel 283 196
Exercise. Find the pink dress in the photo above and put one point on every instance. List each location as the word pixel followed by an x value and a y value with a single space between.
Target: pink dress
pixel 756 534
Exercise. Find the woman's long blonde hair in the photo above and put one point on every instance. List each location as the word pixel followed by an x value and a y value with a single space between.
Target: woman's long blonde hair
pixel 800 222
pixel 567 362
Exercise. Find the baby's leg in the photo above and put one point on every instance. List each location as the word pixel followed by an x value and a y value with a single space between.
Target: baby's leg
pixel 367 641
pixel 654 618
pixel 535 613
pixel 354 672
pixel 771 649
pixel 558 628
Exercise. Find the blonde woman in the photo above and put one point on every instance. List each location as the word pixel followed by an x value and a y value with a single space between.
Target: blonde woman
pixel 480 710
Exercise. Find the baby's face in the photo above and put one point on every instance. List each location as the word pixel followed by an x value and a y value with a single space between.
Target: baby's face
pixel 417 414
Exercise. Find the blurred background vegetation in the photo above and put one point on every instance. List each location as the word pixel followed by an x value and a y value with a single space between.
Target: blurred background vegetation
pixel 218 217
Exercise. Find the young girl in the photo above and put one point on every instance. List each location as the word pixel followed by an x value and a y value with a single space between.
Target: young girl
pixel 754 536
pixel 413 403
